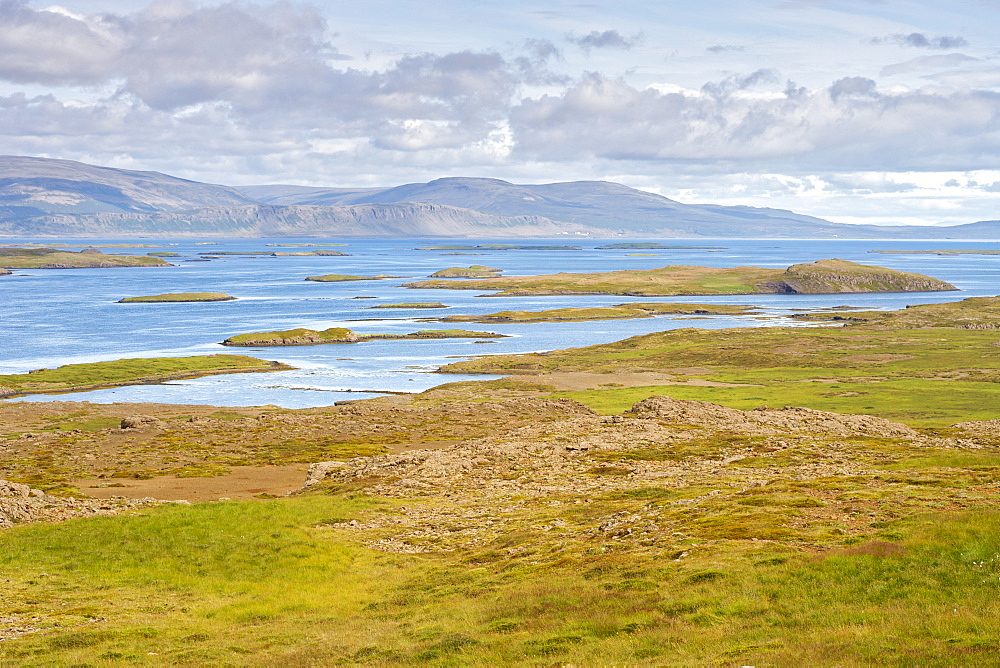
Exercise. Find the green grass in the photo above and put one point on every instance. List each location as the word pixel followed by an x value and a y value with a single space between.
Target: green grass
pixel 339 278
pixel 42 258
pixel 267 583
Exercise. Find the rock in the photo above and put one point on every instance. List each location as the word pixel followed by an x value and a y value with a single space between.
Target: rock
pixel 140 421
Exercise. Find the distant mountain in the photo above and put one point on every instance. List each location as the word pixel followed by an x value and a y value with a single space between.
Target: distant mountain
pixel 43 197
pixel 610 207
pixel 38 186
pixel 261 220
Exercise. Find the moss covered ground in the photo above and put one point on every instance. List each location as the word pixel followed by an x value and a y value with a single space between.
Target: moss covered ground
pixel 45 258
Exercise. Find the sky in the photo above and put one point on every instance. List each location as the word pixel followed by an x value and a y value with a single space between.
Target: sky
pixel 857 111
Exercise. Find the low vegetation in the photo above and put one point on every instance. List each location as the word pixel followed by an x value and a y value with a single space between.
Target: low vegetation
pixel 475 271
pixel 339 278
pixel 619 311
pixel 35 257
pixel 179 297
pixel 821 277
pixel 309 337
pixel 500 247
pixel 93 375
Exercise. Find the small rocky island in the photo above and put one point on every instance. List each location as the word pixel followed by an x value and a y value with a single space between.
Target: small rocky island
pixel 475 271
pixel 411 305
pixel 52 258
pixel 175 297
pixel 820 277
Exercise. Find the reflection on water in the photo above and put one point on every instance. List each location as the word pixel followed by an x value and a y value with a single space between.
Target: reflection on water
pixel 55 317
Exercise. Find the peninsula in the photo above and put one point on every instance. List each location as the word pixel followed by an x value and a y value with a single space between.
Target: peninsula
pixel 340 278
pixel 821 277
pixel 616 312
pixel 117 373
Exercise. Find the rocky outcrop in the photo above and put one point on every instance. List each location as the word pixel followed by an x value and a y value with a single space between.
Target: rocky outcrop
pixel 293 337
pixel 766 420
pixel 140 421
pixel 840 276
pixel 20 504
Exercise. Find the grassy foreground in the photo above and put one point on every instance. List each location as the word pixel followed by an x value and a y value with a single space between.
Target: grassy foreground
pixel 263 583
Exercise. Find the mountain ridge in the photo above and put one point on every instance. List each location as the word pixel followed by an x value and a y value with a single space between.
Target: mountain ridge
pixel 48 197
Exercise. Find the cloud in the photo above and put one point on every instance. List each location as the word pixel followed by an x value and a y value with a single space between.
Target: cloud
pixel 921 41
pixel 49 47
pixel 926 63
pixel 851 125
pixel 608 39
pixel 723 48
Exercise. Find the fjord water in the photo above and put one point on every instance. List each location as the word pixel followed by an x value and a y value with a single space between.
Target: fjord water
pixel 55 317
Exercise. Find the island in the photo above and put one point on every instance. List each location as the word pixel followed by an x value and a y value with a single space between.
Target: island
pixel 118 373
pixel 174 297
pixel 475 271
pixel 942 251
pixel 411 305
pixel 649 245
pixel 339 278
pixel 51 258
pixel 5 272
pixel 310 337
pixel 164 254
pixel 820 277
pixel 616 312
pixel 496 247
pixel 318 253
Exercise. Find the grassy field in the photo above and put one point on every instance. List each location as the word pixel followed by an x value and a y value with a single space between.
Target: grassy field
pixel 928 365
pixel 821 277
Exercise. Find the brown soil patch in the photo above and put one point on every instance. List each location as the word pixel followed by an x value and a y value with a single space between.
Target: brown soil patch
pixel 245 482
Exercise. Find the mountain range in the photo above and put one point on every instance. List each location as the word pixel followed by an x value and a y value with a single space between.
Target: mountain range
pixel 45 197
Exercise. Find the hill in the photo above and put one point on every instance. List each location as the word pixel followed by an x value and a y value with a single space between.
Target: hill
pixel 31 187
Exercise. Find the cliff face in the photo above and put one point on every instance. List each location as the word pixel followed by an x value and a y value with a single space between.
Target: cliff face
pixel 841 276
pixel 365 220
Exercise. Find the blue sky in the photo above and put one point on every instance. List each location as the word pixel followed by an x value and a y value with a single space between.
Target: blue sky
pixel 863 111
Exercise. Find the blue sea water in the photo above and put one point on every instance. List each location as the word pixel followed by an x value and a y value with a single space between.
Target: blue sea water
pixel 54 317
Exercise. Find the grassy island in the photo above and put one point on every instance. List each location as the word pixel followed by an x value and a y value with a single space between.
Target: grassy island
pixel 821 277
pixel 51 258
pixel 497 247
pixel 649 245
pixel 178 297
pixel 942 251
pixel 97 375
pixel 475 271
pixel 309 337
pixel 410 305
pixel 339 278
pixel 617 312
pixel 293 337
pixel 316 253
